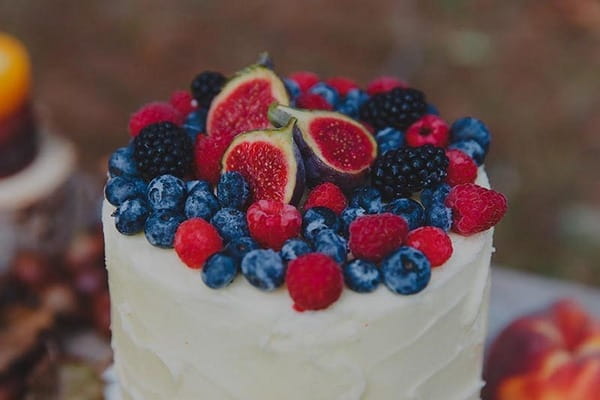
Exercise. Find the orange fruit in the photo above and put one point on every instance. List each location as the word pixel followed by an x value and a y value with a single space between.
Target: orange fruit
pixel 15 74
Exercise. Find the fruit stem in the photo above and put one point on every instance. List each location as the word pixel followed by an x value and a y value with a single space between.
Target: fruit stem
pixel 278 117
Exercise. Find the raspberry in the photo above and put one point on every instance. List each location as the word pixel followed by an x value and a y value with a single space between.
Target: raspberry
pixel 342 84
pixel 152 113
pixel 433 242
pixel 272 222
pixel 313 101
pixel 462 168
pixel 430 129
pixel 209 152
pixel 182 101
pixel 327 195
pixel 304 79
pixel 384 84
pixel 372 237
pixel 195 241
pixel 314 281
pixel 475 208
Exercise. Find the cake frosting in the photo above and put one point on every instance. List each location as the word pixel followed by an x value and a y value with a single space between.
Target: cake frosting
pixel 175 338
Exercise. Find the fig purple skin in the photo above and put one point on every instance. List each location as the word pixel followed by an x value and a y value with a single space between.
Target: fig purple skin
pixel 318 169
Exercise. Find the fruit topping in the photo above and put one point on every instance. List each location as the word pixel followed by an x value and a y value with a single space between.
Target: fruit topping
pixel 201 203
pixel 161 226
pixel 304 79
pixel 121 188
pixel 233 190
pixel 238 248
pixel 367 198
pixel 327 195
pixel 475 208
pixel 206 86
pixel 469 128
pixel 195 241
pixel 373 237
pixel 314 282
pixel 264 269
pixel 329 93
pixel 317 219
pixel 242 104
pixel 273 222
pixel 230 223
pixel 336 148
pixel 412 211
pixel 163 148
pixel 131 215
pixel 121 162
pixel 153 113
pixel 313 101
pixel 219 271
pixel 349 215
pixel 331 244
pixel 361 276
pixel 270 162
pixel 402 172
pixel 166 192
pixel 342 84
pixel 433 242
pixel 384 84
pixel 208 153
pixel 406 271
pixel 430 129
pixel 389 139
pixel 399 108
pixel 181 100
pixel 461 169
pixel 294 248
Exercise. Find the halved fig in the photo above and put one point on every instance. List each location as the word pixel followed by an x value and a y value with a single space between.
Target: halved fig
pixel 270 161
pixel 243 103
pixel 335 148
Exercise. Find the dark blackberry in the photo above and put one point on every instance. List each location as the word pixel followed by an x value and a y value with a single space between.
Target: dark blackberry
pixel 206 86
pixel 402 172
pixel 163 148
pixel 397 108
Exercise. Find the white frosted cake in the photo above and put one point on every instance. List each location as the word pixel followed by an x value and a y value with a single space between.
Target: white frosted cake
pixel 396 306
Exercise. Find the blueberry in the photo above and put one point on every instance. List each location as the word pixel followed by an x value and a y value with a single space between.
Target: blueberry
pixel 161 227
pixel 121 188
pixel 439 215
pixel 328 92
pixel 219 271
pixel 233 190
pixel 470 128
pixel 361 276
pixel 367 197
pixel 239 247
pixel 131 215
pixel 197 184
pixel 349 215
pixel 231 223
pixel 166 192
pixel 330 243
pixel 436 194
pixel 294 248
pixel 264 269
pixel 318 218
pixel 201 203
pixel 406 271
pixel 350 105
pixel 412 211
pixel 432 110
pixel 195 122
pixel 292 88
pixel 389 139
pixel 471 148
pixel 121 162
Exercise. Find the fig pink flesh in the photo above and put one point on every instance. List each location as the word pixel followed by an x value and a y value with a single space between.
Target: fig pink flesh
pixel 245 109
pixel 263 165
pixel 342 144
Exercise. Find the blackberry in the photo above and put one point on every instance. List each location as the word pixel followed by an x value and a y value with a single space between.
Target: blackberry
pixel 163 148
pixel 206 86
pixel 402 172
pixel 397 108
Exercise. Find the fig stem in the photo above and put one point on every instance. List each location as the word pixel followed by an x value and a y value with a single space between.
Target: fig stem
pixel 265 60
pixel 278 117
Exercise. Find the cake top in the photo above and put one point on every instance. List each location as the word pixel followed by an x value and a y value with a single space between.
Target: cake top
pixel 314 183
pixel 15 75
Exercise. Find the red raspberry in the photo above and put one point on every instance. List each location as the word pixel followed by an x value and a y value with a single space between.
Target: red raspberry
pixel 313 101
pixel 475 208
pixel 272 222
pixel 384 84
pixel 314 281
pixel 430 129
pixel 327 195
pixel 182 101
pixel 342 84
pixel 373 237
pixel 462 168
pixel 304 79
pixel 209 152
pixel 152 113
pixel 433 242
pixel 195 241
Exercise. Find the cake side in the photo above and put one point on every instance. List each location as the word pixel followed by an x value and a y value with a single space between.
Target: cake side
pixel 175 338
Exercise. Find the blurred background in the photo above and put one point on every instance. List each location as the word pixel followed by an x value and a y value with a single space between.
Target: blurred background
pixel 529 69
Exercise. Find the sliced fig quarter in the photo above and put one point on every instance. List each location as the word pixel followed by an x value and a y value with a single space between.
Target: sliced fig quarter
pixel 335 148
pixel 270 161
